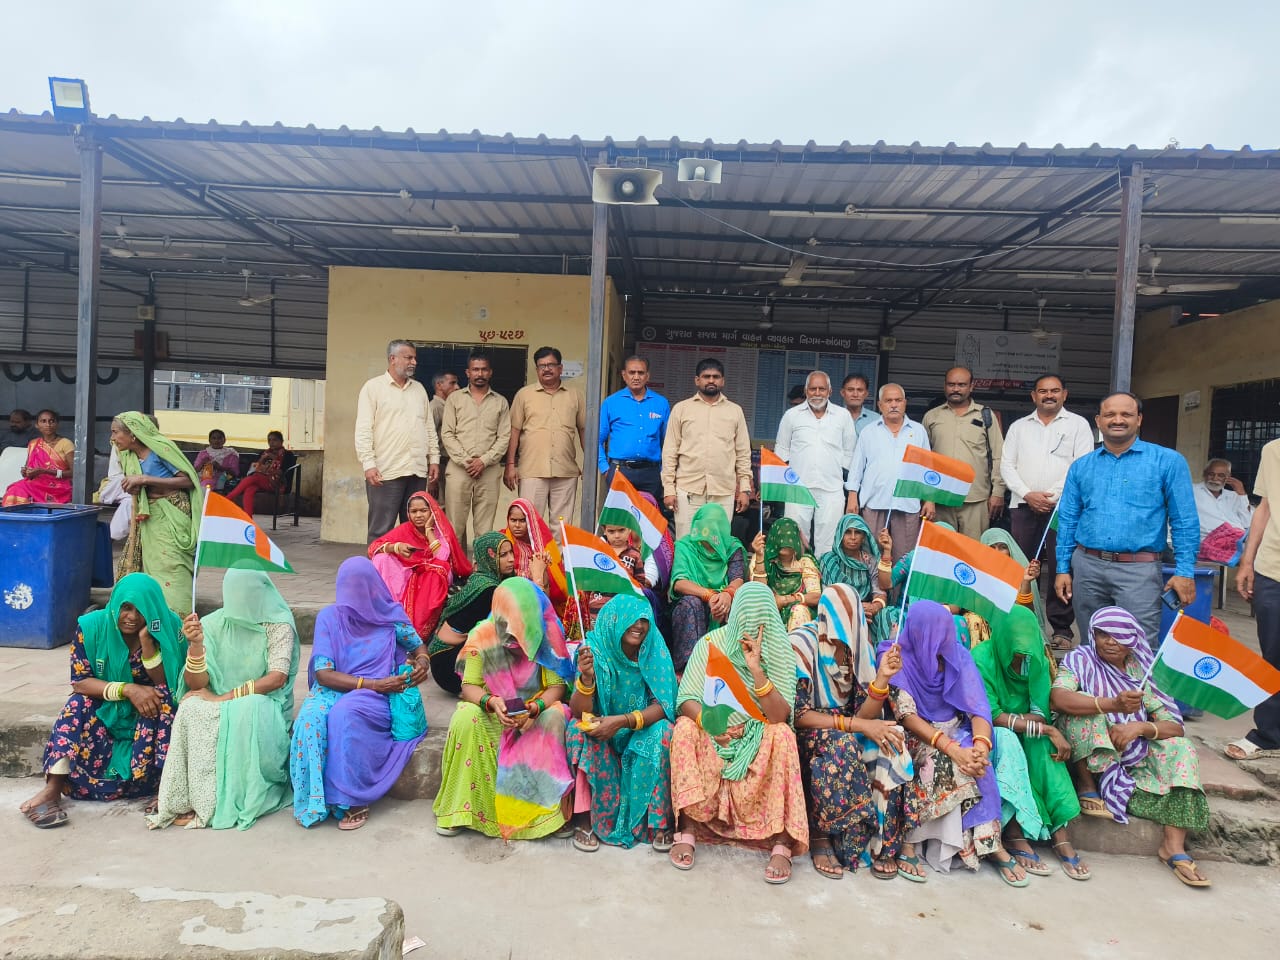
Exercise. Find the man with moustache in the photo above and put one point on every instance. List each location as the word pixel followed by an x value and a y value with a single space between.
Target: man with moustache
pixel 475 431
pixel 1220 498
pixel 1038 450
pixel 22 430
pixel 817 441
pixel 1117 504
pixel 967 431
pixel 697 467
pixel 548 430
pixel 854 392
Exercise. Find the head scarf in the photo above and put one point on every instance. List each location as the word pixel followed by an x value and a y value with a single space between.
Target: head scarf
pixel 995 535
pixel 484 576
pixel 358 633
pixel 753 608
pixel 540 539
pixel 623 684
pixel 702 557
pixel 1097 678
pixel 665 552
pixel 928 636
pixel 1007 690
pixel 840 622
pixel 784 534
pixel 108 656
pixel 838 567
pixel 140 425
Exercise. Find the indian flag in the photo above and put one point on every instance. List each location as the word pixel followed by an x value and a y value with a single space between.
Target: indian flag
pixel 779 482
pixel 230 538
pixel 926 475
pixel 951 568
pixel 593 565
pixel 1207 669
pixel 624 507
pixel 724 695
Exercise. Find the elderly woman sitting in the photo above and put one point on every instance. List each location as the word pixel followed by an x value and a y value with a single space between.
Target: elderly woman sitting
pixel 709 566
pixel 1128 748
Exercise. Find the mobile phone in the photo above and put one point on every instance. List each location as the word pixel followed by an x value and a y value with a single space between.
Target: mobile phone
pixel 515 707
pixel 1171 599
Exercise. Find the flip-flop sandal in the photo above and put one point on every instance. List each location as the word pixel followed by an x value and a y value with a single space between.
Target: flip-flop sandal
pixel 184 819
pixel 1091 805
pixel 688 840
pixel 878 871
pixel 47 815
pixel 1061 643
pixel 1174 862
pixel 564 833
pixel 1248 750
pixel 355 818
pixel 1009 865
pixel 585 840
pixel 1071 865
pixel 907 874
pixel 1030 861
pixel 448 831
pixel 662 842
pixel 833 872
pixel 779 850
pixel 153 806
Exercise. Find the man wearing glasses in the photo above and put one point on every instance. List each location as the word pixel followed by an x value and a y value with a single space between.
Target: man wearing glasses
pixel 548 429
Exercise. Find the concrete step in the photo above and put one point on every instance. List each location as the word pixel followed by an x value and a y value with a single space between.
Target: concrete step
pixel 1240 831
pixel 52 923
pixel 1265 769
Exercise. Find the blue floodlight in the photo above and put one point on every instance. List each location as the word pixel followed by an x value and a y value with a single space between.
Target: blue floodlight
pixel 70 99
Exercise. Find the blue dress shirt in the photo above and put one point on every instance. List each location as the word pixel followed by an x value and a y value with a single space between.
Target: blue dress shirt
pixel 1128 503
pixel 632 429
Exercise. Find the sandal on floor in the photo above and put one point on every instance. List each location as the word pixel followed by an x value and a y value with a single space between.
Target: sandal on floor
pixel 878 871
pixel 564 833
pixel 824 848
pixel 1030 861
pixel 1180 860
pixel 584 839
pixel 1246 749
pixel 779 850
pixel 153 806
pixel 1009 865
pixel 448 831
pixel 676 856
pixel 1061 643
pixel 909 875
pixel 354 819
pixel 662 841
pixel 1091 805
pixel 47 815
pixel 1071 866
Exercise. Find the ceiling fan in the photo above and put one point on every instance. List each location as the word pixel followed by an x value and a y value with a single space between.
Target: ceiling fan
pixel 793 274
pixel 126 247
pixel 1152 288
pixel 251 301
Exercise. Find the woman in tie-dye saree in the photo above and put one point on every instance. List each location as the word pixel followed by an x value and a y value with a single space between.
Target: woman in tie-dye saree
pixel 504 771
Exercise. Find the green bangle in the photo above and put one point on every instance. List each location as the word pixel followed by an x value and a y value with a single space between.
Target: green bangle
pixel 484 701
pixel 542 705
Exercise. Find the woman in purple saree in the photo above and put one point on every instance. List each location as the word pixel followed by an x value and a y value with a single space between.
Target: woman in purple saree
pixel 344 756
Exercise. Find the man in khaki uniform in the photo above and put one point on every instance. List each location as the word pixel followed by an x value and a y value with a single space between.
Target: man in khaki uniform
pixel 443 383
pixel 475 431
pixel 968 431
pixel 706 456
pixel 542 458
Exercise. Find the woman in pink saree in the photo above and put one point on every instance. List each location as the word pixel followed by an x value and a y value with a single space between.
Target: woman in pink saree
pixel 46 478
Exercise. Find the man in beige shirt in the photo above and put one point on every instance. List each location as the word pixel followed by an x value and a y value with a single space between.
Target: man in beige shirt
pixel 395 439
pixel 542 458
pixel 443 384
pixel 706 457
pixel 474 430
pixel 968 431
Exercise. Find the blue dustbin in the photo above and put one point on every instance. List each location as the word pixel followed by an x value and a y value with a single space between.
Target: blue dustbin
pixel 46 563
pixel 104 571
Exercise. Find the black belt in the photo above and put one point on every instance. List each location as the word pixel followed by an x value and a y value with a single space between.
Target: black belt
pixel 1115 556
pixel 635 464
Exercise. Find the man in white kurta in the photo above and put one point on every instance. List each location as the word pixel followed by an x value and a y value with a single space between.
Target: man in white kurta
pixel 817 441
pixel 1220 498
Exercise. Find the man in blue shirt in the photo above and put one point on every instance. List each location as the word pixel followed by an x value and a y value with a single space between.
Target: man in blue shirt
pixel 1116 506
pixel 633 424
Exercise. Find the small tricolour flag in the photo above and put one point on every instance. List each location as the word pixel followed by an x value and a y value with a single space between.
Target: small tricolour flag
pixel 724 695
pixel 779 482
pixel 1208 670
pixel 595 566
pixel 624 507
pixel 230 538
pixel 925 475
pixel 951 568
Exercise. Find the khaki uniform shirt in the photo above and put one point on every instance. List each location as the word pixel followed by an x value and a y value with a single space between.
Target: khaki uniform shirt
pixel 469 429
pixel 437 414
pixel 394 429
pixel 965 438
pixel 707 449
pixel 1267 485
pixel 548 422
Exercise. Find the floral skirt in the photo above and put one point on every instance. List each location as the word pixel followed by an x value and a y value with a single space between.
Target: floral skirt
pixel 629 791
pixel 83 741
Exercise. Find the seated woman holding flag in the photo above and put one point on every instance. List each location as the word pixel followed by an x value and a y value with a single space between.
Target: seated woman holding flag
pixel 419 560
pixel 1028 592
pixel 1128 747
pixel 505 772
pixel 228 761
pixel 538 556
pixel 624 707
pixel 735 769
pixel 709 567
pixel 781 561
pixel 495 561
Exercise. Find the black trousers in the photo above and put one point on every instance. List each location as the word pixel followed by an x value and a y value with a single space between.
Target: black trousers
pixel 646 479
pixel 1266 607
pixel 387 502
pixel 1027 528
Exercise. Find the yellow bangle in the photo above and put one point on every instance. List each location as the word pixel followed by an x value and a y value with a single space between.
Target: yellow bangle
pixel 150 663
pixel 359 683
pixel 699 721
pixel 765 690
pixel 585 691
pixel 639 719
pixel 878 691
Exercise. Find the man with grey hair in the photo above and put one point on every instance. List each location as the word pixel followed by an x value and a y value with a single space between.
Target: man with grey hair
pixel 873 473
pixel 396 440
pixel 817 441
pixel 1220 498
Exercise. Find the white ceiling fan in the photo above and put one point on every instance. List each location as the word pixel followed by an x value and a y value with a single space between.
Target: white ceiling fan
pixel 251 301
pixel 1152 288
pixel 794 273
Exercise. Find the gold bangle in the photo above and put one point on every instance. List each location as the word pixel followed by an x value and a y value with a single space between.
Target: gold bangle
pixel 359 683
pixel 886 567
pixel 879 692
pixel 698 720
pixel 1097 706
pixel 585 691
pixel 1155 731
pixel 981 739
pixel 150 663
pixel 765 690
pixel 639 719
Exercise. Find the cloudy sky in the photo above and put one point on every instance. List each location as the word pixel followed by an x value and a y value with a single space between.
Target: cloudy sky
pixel 761 70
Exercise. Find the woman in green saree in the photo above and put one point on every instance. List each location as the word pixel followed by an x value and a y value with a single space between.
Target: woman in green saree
pixel 228 759
pixel 709 567
pixel 166 510
pixel 781 562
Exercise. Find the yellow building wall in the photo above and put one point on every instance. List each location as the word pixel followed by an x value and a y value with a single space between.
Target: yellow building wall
pixel 370 306
pixel 1238 347
pixel 242 429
